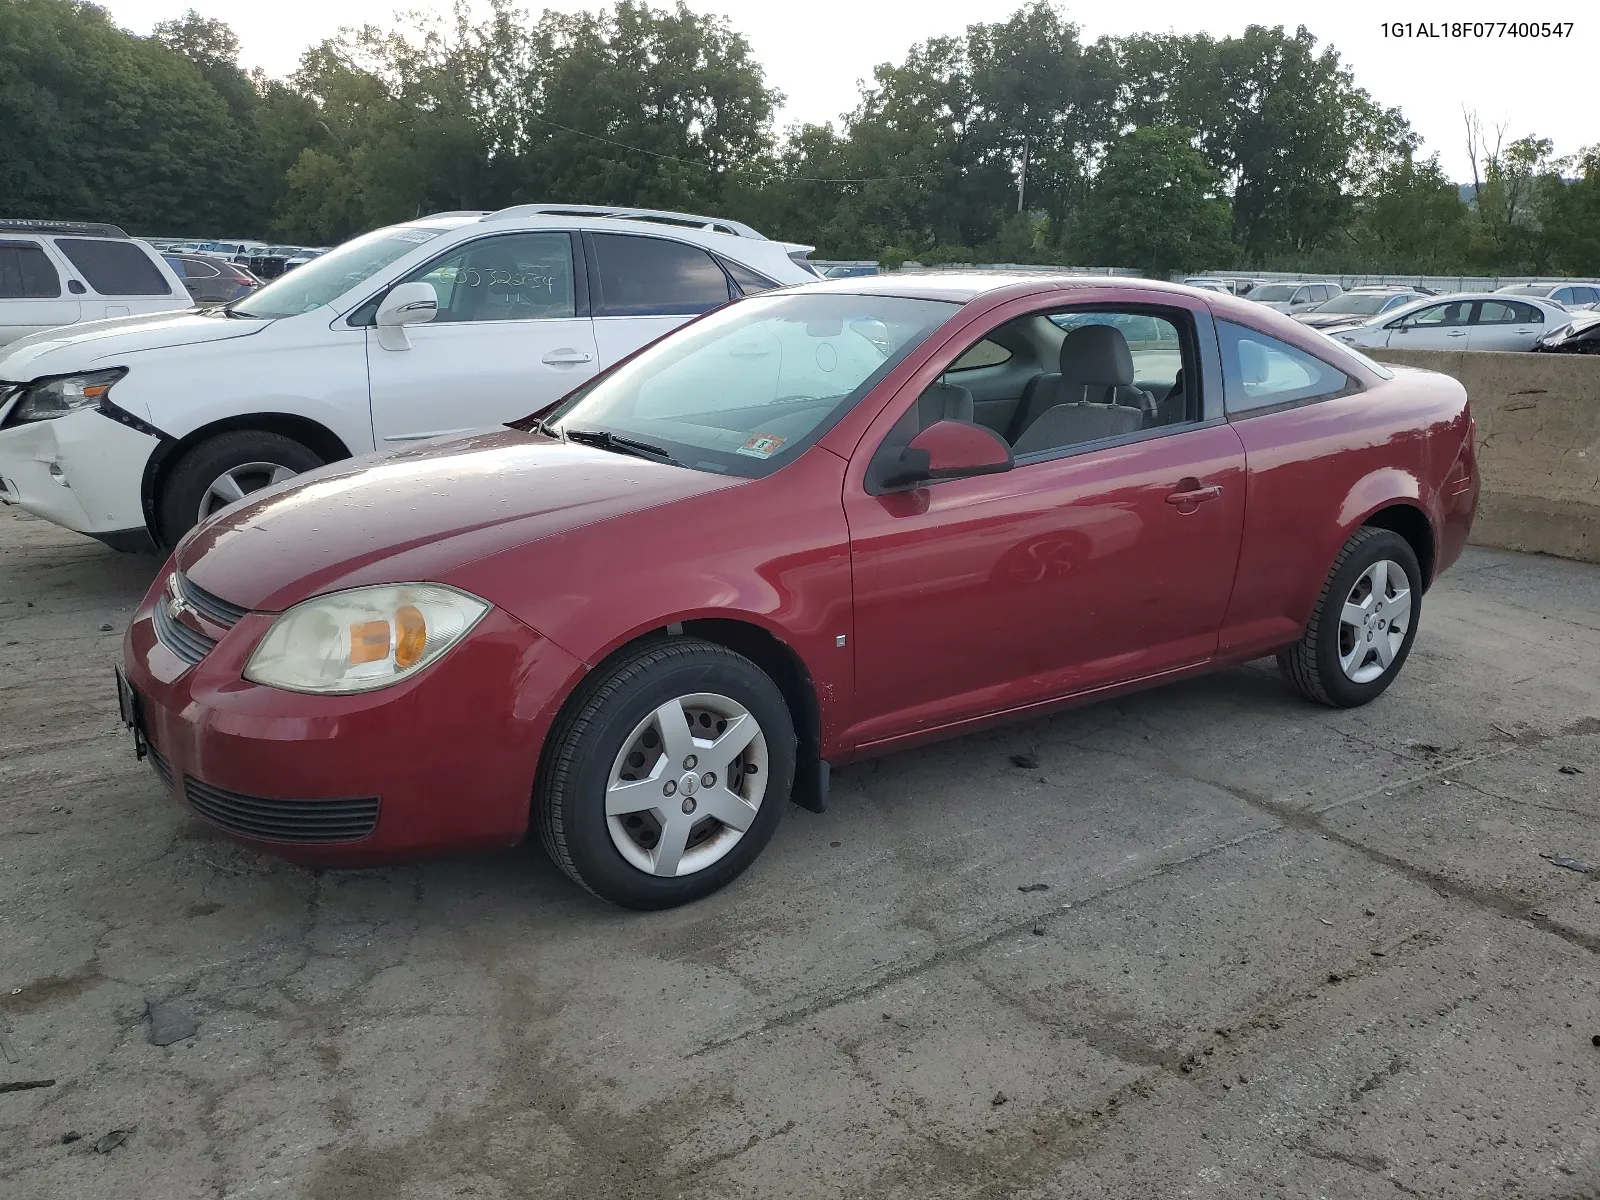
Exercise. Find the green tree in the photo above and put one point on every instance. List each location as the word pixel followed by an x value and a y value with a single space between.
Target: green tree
pixel 1569 218
pixel 100 124
pixel 1155 206
pixel 1412 219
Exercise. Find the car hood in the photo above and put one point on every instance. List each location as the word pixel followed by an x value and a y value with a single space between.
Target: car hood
pixel 417 514
pixel 1329 320
pixel 1275 305
pixel 91 343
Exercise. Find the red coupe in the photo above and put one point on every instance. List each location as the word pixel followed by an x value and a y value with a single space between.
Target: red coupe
pixel 812 526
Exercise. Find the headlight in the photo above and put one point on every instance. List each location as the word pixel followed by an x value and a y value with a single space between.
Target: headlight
pixel 57 397
pixel 364 639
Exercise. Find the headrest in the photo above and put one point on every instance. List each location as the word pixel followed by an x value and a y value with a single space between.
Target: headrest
pixel 1096 354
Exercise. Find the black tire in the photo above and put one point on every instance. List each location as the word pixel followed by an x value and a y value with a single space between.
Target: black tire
pixel 569 804
pixel 1311 665
pixel 178 505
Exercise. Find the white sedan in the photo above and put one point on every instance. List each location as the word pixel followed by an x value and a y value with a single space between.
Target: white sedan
pixel 1475 321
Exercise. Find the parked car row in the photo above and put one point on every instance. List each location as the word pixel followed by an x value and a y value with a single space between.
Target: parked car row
pixel 263 261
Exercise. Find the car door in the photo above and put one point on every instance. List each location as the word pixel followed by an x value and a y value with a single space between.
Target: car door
pixel 1091 562
pixel 643 287
pixel 1505 325
pixel 511 335
pixel 31 294
pixel 1436 327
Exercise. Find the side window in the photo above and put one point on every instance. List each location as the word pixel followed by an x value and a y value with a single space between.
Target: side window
pixel 746 280
pixel 26 274
pixel 1562 296
pixel 1442 315
pixel 512 277
pixel 1114 373
pixel 1259 371
pixel 1587 295
pixel 115 268
pixel 1497 312
pixel 983 354
pixel 646 276
pixel 1526 314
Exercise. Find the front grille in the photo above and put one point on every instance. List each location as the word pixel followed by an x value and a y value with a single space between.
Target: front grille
pixel 157 760
pixel 213 608
pixel 268 820
pixel 188 644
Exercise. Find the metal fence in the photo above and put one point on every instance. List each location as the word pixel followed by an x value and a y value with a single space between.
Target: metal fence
pixel 1435 283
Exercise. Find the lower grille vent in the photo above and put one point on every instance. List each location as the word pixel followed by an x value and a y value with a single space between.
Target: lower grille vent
pixel 268 820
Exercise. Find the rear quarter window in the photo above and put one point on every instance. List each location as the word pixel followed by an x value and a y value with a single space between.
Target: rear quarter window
pixel 26 273
pixel 1259 372
pixel 115 268
pixel 984 354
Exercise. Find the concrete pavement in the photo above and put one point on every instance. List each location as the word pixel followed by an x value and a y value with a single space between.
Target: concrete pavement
pixel 1282 951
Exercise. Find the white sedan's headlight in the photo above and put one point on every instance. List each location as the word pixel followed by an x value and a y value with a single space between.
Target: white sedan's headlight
pixel 363 639
pixel 51 398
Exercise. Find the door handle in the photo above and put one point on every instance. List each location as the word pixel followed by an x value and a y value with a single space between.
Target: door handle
pixel 1190 495
pixel 566 357
pixel 1457 333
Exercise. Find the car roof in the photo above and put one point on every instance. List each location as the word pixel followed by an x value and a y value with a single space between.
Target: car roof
pixel 962 286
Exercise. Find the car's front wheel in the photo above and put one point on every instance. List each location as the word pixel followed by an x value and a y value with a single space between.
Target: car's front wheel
pixel 1363 625
pixel 216 472
pixel 667 774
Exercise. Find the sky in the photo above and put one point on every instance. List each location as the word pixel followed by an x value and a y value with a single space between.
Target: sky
pixel 818 52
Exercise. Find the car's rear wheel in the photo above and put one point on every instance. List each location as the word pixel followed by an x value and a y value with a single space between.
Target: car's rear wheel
pixel 667 774
pixel 1363 625
pixel 216 472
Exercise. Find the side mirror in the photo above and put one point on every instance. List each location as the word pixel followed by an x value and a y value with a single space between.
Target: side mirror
pixel 949 450
pixel 406 304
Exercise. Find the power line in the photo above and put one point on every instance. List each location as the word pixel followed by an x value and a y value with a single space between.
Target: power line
pixel 595 137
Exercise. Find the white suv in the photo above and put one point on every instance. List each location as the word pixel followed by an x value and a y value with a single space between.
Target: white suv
pixel 55 273
pixel 133 431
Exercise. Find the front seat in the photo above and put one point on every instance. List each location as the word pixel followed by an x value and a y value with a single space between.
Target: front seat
pixel 1082 403
pixel 1096 367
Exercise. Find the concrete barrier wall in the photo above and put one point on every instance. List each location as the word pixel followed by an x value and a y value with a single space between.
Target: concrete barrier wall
pixel 1538 445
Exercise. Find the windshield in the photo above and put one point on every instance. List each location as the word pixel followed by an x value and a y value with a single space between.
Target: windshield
pixel 1360 305
pixel 746 389
pixel 331 275
pixel 1272 291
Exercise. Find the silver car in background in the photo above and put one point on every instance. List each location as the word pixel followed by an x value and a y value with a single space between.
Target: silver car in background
pixel 1467 321
pixel 1294 295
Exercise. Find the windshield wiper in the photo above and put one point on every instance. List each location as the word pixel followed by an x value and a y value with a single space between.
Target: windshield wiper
pixel 622 445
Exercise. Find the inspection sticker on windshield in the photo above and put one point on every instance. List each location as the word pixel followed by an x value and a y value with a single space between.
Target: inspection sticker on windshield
pixel 414 235
pixel 763 445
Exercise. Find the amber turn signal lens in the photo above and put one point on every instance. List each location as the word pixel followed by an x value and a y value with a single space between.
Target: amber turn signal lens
pixel 411 636
pixel 369 642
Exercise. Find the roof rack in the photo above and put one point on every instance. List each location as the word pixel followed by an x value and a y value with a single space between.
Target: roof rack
pixel 85 228
pixel 714 224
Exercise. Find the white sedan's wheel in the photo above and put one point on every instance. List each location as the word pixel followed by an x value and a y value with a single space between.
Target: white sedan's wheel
pixel 238 482
pixel 687 785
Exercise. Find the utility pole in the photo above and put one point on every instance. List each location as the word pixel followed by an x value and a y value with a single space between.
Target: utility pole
pixel 1022 178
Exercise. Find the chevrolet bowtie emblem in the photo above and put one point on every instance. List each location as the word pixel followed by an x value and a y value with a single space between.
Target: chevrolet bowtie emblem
pixel 176 604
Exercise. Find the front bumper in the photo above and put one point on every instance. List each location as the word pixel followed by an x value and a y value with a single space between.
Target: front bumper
pixel 83 471
pixel 441 763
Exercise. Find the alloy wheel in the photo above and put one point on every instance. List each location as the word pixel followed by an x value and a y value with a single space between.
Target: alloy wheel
pixel 686 785
pixel 1374 621
pixel 237 482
